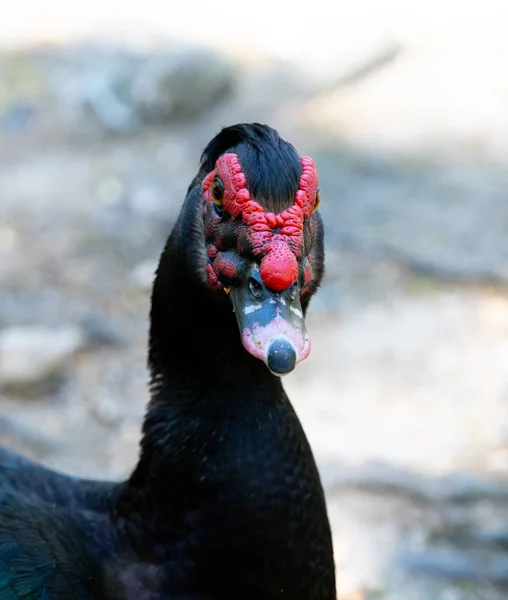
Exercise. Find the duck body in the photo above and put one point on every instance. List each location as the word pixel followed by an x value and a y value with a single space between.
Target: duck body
pixel 226 500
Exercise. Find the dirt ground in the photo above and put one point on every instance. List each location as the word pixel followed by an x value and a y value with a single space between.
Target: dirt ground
pixel 405 395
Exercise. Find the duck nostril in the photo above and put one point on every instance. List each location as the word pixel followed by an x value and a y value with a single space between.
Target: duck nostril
pixel 255 288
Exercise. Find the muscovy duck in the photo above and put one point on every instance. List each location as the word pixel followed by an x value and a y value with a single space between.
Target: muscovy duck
pixel 226 501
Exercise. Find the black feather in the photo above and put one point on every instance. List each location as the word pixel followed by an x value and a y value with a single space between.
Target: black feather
pixel 270 164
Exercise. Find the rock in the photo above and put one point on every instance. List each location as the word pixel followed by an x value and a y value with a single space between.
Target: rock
pixel 120 91
pixel 182 84
pixel 106 411
pixel 32 355
pixel 89 90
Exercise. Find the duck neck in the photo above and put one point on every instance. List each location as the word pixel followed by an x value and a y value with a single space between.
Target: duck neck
pixel 205 387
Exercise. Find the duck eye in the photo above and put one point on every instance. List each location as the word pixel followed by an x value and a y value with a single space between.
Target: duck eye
pixel 317 202
pixel 218 192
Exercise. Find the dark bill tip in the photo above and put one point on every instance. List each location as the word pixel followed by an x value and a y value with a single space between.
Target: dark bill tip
pixel 281 356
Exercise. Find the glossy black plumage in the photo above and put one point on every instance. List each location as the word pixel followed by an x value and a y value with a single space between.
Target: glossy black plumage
pixel 272 165
pixel 225 502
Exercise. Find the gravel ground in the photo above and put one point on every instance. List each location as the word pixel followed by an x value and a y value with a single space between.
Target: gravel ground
pixel 405 395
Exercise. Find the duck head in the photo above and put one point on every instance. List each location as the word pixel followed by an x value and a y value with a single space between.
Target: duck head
pixel 263 239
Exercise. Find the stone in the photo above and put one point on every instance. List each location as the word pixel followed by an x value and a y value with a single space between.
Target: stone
pixel 182 84
pixel 32 355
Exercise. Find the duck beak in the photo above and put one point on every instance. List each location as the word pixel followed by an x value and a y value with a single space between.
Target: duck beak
pixel 272 324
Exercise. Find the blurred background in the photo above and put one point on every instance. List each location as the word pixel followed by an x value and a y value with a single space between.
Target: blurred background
pixel 105 108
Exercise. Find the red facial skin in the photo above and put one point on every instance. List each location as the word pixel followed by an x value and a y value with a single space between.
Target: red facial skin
pixel 278 239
